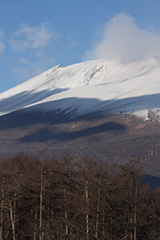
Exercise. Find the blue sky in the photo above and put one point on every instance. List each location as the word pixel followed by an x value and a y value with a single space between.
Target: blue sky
pixel 36 35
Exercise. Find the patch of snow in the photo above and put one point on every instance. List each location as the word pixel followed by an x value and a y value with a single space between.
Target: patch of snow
pixel 91 86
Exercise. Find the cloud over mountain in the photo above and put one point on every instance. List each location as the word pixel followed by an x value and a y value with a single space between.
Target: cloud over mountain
pixel 32 37
pixel 124 41
pixel 30 44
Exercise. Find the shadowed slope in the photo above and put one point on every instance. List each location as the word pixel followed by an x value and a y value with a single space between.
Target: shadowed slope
pixel 46 134
pixel 66 110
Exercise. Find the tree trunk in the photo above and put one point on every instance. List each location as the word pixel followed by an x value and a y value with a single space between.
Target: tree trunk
pixel 87 207
pixel 135 213
pixel 98 208
pixel 12 220
pixel 2 211
pixel 66 212
pixel 35 225
pixel 103 217
pixel 41 207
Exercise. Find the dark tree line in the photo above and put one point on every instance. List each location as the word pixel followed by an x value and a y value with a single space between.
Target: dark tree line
pixel 65 199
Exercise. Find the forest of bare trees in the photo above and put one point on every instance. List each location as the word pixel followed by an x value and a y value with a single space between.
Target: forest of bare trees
pixel 76 200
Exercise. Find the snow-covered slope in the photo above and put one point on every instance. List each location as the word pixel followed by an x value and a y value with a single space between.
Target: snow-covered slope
pixel 91 86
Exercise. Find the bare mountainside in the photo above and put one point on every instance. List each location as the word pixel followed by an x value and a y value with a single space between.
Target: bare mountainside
pixel 102 109
pixel 113 138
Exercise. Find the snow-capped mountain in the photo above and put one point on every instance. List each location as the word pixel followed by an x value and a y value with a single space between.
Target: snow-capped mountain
pixel 89 87
pixel 72 109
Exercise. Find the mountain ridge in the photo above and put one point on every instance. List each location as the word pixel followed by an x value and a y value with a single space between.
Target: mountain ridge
pixel 107 110
pixel 106 81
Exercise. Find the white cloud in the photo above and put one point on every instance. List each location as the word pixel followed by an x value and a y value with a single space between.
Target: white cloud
pixel 32 37
pixel 30 43
pixel 124 41
pixel 25 68
pixel 2 46
pixel 72 39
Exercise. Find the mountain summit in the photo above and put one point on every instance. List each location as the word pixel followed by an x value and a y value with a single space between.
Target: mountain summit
pixel 89 87
pixel 107 110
